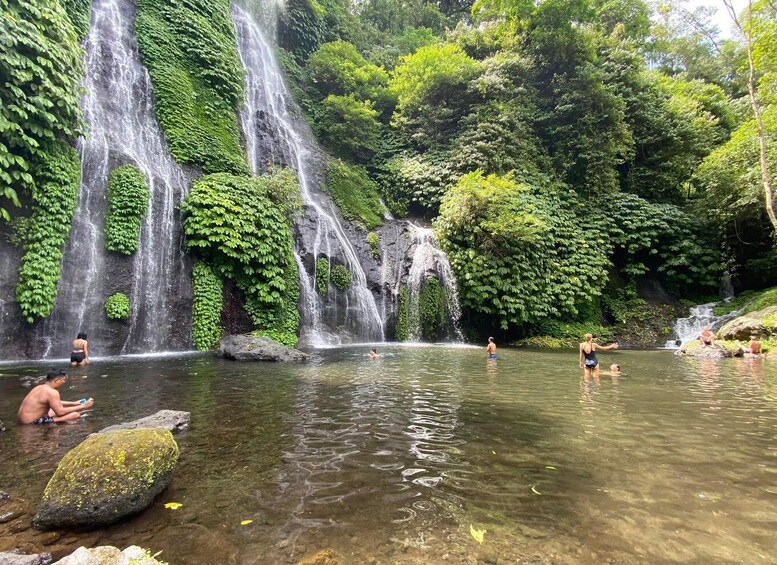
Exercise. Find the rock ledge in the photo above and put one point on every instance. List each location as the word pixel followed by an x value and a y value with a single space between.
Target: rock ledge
pixel 247 347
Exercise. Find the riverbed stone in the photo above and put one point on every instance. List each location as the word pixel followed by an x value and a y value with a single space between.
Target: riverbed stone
pixel 108 476
pixel 247 347
pixel 13 558
pixel 107 554
pixel 171 420
pixel 4 497
pixel 720 350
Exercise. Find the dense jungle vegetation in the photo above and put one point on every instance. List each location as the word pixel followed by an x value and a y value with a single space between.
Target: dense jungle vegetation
pixel 567 152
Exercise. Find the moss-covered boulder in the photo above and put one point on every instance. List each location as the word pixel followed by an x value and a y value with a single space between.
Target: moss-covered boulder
pixel 760 322
pixel 720 350
pixel 108 476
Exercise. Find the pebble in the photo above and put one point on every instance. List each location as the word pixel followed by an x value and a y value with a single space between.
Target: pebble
pixel 283 544
pixel 8 516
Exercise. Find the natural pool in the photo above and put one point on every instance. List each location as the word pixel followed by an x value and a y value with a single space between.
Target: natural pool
pixel 392 460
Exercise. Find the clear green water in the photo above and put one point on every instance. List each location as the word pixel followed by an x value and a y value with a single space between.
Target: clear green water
pixel 393 460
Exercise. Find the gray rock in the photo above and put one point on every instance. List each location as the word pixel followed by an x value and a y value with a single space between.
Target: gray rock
pixel 741 328
pixel 6 517
pixel 721 350
pixel 133 555
pixel 170 420
pixel 19 559
pixel 107 477
pixel 4 496
pixel 248 347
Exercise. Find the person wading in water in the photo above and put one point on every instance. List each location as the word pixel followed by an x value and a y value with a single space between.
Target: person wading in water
pixel 588 360
pixel 80 353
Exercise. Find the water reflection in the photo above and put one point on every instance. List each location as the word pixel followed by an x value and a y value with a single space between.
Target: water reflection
pixel 395 458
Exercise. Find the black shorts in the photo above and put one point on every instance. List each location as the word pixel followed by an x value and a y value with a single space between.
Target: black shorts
pixel 44 420
pixel 77 357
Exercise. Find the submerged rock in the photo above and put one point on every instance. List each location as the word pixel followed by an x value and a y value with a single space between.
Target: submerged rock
pixel 108 476
pixel 105 554
pixel 12 558
pixel 247 347
pixel 170 420
pixel 720 350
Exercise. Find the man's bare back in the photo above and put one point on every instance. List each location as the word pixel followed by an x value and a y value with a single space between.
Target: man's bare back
pixel 43 405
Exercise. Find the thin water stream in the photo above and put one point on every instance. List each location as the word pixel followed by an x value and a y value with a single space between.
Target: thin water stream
pixel 392 460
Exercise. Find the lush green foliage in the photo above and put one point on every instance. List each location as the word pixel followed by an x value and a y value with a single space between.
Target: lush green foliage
pixel 40 70
pixel 117 306
pixel 190 51
pixel 433 310
pixel 206 308
pixel 373 240
pixel 749 301
pixel 355 193
pixel 127 205
pixel 341 277
pixel 79 12
pixel 240 228
pixel 402 331
pixel 54 199
pixel 519 252
pixel 350 126
pixel 322 276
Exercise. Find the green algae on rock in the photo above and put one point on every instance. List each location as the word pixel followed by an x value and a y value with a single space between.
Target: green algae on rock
pixel 108 476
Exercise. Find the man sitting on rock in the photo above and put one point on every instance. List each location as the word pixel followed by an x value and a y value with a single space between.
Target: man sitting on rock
pixel 43 406
pixel 706 337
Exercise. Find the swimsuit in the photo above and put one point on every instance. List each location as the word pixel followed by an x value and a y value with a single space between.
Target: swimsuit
pixel 44 420
pixel 492 355
pixel 77 356
pixel 591 362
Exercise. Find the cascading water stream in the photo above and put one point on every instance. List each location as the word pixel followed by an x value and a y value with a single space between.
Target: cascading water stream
pixel 688 329
pixel 275 136
pixel 119 112
pixel 429 259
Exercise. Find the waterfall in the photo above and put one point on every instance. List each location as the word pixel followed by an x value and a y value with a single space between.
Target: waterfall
pixel 688 329
pixel 118 109
pixel 276 134
pixel 429 260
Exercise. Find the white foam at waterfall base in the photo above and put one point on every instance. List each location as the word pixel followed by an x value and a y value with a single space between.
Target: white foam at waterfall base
pixel 267 108
pixel 689 329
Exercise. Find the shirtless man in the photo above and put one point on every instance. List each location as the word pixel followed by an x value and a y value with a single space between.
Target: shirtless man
pixel 43 406
pixel 706 337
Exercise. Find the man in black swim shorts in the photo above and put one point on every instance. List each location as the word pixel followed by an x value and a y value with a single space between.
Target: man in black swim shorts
pixel 43 405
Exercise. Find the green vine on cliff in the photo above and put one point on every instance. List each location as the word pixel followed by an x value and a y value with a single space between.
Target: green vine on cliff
pixel 40 72
pixel 54 201
pixel 341 277
pixel 402 330
pixel 373 240
pixel 190 50
pixel 127 204
pixel 206 308
pixel 432 310
pixel 79 12
pixel 322 276
pixel 237 226
pixel 117 306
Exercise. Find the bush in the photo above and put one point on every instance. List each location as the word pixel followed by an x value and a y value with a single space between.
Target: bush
pixel 190 50
pixel 54 199
pixel 322 276
pixel 117 306
pixel 234 224
pixel 206 307
pixel 354 193
pixel 40 68
pixel 402 330
pixel 373 240
pixel 341 277
pixel 433 310
pixel 350 127
pixel 338 68
pixel 127 204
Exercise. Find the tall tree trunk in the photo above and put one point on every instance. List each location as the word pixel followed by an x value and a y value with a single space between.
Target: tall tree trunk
pixel 751 88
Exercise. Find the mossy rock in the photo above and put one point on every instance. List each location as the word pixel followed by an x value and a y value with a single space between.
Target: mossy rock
pixel 760 323
pixel 721 349
pixel 108 476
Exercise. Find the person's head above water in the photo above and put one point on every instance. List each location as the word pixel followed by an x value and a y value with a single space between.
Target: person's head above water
pixel 615 368
pixel 373 350
pixel 81 335
pixel 54 375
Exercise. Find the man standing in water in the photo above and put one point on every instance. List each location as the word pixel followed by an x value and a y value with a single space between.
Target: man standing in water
pixel 43 406
pixel 491 348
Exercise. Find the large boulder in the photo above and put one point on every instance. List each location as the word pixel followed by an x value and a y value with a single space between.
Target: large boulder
pixel 247 347
pixel 170 420
pixel 106 477
pixel 106 554
pixel 720 350
pixel 760 323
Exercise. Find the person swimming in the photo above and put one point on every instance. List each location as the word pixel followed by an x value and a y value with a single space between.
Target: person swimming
pixel 491 348
pixel 80 353
pixel 374 353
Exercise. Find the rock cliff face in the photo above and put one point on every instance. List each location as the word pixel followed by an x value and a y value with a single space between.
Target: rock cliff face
pixel 106 477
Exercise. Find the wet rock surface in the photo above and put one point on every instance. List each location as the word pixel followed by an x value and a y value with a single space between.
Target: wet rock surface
pixel 248 347
pixel 11 558
pixel 759 323
pixel 103 555
pixel 720 350
pixel 106 477
pixel 170 420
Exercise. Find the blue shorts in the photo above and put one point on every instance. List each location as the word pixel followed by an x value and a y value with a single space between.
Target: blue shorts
pixel 492 355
